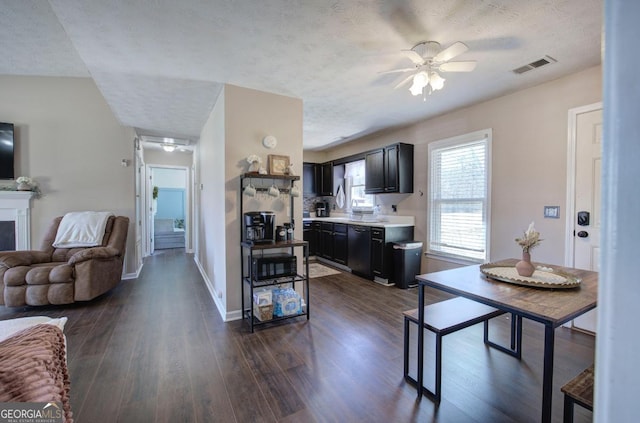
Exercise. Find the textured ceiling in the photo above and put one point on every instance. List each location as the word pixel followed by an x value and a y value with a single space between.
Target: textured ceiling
pixel 160 64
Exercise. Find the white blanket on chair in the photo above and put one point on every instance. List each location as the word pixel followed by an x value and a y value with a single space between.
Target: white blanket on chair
pixel 81 229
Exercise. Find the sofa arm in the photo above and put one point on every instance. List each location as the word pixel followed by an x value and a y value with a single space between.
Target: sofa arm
pixel 10 259
pixel 93 253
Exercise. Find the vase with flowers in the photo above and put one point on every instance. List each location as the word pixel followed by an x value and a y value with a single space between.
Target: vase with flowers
pixel 254 163
pixel 530 239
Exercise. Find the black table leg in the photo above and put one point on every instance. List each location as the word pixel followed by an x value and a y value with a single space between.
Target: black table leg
pixel 420 338
pixel 547 373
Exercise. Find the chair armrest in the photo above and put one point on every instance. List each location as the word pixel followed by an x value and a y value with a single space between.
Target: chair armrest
pixel 23 258
pixel 93 253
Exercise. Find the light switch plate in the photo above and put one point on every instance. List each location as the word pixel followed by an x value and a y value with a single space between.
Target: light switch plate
pixel 552 212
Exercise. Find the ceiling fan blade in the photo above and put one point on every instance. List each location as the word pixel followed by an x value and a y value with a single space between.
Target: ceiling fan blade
pixel 413 56
pixel 397 70
pixel 458 66
pixel 403 82
pixel 450 52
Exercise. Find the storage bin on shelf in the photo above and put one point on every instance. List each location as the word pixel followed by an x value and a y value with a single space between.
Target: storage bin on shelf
pixel 263 304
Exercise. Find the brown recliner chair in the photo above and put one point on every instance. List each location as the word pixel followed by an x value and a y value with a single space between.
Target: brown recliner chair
pixel 63 275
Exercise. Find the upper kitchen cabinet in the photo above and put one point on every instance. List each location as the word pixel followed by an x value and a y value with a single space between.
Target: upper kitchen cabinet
pixel 326 179
pixel 389 170
pixel 318 179
pixel 309 179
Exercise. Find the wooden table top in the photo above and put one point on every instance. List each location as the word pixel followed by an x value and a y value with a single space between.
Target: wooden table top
pixel 549 306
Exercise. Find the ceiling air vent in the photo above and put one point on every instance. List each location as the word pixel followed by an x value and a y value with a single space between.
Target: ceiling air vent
pixel 535 64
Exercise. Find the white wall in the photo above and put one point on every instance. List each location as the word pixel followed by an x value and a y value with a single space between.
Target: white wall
pixel 211 248
pixel 528 166
pixel 617 344
pixel 239 121
pixel 68 139
pixel 175 158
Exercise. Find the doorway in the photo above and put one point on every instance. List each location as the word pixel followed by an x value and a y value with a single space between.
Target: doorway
pixel 583 196
pixel 169 222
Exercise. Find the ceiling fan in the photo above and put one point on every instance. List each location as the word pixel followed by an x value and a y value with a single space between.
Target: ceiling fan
pixel 429 58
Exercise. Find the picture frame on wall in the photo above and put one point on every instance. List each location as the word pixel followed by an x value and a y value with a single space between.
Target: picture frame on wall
pixel 278 165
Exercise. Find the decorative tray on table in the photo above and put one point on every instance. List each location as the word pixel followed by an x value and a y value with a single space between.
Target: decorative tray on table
pixel 543 277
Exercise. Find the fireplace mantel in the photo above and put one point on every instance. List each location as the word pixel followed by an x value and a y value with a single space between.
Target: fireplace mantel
pixel 15 206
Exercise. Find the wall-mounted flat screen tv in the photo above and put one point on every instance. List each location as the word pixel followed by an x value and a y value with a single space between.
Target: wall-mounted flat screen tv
pixel 6 151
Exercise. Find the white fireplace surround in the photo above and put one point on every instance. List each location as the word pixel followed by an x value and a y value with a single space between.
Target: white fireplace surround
pixel 15 206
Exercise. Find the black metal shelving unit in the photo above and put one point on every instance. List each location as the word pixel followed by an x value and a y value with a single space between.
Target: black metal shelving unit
pixel 249 249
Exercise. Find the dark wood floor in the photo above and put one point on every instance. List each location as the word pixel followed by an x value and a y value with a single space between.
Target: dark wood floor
pixel 156 350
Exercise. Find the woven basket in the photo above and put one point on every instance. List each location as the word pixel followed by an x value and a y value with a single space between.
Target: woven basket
pixel 263 312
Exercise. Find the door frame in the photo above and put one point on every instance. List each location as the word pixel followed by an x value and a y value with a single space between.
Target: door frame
pixel 188 204
pixel 571 178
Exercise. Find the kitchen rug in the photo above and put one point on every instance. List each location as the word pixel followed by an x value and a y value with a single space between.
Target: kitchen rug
pixel 316 270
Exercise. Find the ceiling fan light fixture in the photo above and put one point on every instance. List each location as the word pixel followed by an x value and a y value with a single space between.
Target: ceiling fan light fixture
pixel 420 80
pixel 436 81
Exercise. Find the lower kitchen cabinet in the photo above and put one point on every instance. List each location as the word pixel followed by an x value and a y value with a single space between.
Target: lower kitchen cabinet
pixel 382 240
pixel 333 242
pixel 340 248
pixel 377 252
pixel 310 235
pixel 326 241
pixel 343 243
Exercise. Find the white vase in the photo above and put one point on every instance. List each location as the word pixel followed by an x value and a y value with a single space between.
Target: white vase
pixel 23 186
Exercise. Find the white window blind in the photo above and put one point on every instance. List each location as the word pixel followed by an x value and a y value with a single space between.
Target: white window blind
pixel 459 197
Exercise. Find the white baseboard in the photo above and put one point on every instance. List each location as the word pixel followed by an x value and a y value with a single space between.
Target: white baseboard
pixel 226 316
pixel 133 275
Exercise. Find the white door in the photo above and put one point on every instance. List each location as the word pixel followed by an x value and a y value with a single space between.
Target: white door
pixel 151 211
pixel 587 215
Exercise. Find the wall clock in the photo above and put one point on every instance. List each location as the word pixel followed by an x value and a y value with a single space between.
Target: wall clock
pixel 269 141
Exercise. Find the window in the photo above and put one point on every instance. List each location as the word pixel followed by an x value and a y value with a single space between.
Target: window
pixel 355 178
pixel 459 196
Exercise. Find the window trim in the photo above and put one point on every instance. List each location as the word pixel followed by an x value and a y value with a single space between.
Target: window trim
pixel 487 136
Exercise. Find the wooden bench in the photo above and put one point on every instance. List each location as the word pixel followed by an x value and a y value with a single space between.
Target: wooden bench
pixel 448 316
pixel 578 390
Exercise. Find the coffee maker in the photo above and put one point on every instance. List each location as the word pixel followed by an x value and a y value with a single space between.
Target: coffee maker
pixel 258 226
pixel 322 209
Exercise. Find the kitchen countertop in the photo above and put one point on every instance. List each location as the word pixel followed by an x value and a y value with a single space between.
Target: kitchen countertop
pixel 382 221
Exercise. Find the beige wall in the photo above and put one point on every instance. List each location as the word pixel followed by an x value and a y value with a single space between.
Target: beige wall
pixel 250 115
pixel 154 156
pixel 239 121
pixel 70 142
pixel 529 160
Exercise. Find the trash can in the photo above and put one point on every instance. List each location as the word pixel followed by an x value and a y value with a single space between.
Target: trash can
pixel 407 256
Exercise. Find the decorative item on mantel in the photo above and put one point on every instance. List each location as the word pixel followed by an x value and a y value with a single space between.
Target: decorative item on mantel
pixel 24 183
pixel 254 163
pixel 530 239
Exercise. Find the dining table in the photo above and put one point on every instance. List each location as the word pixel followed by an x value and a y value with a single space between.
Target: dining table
pixel 551 306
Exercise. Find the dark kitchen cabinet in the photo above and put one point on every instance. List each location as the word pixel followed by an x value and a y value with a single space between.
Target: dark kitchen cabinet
pixel 310 235
pixel 374 172
pixel 316 236
pixel 333 244
pixel 382 249
pixel 326 241
pixel 326 179
pixel 377 252
pixel 310 179
pixel 389 170
pixel 317 179
pixel 340 248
